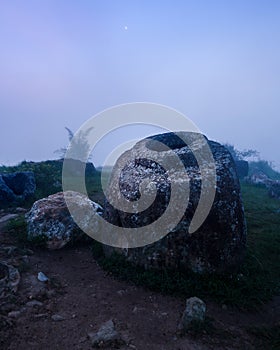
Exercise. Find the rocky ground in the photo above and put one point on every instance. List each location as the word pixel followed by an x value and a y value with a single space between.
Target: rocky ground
pixel 67 310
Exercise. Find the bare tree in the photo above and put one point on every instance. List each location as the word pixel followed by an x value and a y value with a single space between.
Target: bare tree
pixel 79 146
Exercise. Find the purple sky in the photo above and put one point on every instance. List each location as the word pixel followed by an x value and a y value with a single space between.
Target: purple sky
pixel 218 62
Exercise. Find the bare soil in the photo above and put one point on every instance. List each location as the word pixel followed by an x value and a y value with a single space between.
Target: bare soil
pixel 84 296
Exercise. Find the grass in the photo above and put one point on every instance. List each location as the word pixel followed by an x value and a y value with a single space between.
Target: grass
pixel 18 229
pixel 256 282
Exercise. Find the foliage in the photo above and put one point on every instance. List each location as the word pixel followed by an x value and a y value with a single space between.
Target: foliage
pixel 79 146
pixel 255 166
pixel 241 155
pixel 264 167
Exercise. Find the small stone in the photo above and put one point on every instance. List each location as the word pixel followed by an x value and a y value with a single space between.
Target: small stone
pixel 57 318
pixel 33 303
pixel 14 314
pixel 107 336
pixel 121 292
pixel 42 277
pixel 9 278
pixel 194 312
pixel 40 315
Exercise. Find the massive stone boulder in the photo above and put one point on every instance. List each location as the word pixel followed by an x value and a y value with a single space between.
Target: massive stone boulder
pixel 49 218
pixel 6 194
pixel 218 245
pixel 16 187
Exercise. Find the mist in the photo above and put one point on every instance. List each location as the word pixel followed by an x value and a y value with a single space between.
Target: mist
pixel 61 63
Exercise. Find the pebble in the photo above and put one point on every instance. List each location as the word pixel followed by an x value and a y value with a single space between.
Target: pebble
pixel 57 318
pixel 40 315
pixel 14 314
pixel 42 277
pixel 33 303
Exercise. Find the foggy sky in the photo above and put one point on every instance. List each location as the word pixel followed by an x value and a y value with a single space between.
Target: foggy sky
pixel 61 62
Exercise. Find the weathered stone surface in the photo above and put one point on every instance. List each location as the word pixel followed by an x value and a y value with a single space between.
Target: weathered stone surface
pixel 14 314
pixel 219 243
pixel 49 217
pixel 107 336
pixel 9 279
pixel 34 303
pixel 57 318
pixel 6 194
pixel 194 312
pixel 16 187
pixel 42 277
pixel 21 183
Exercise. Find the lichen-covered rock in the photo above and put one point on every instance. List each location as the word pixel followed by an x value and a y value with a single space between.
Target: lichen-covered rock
pixel 6 194
pixel 9 279
pixel 218 245
pixel 194 312
pixel 107 336
pixel 50 218
pixel 16 187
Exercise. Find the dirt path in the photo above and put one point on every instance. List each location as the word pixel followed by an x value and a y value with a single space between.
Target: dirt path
pixel 83 297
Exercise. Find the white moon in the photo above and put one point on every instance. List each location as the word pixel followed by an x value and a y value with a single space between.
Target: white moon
pixel 125 28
